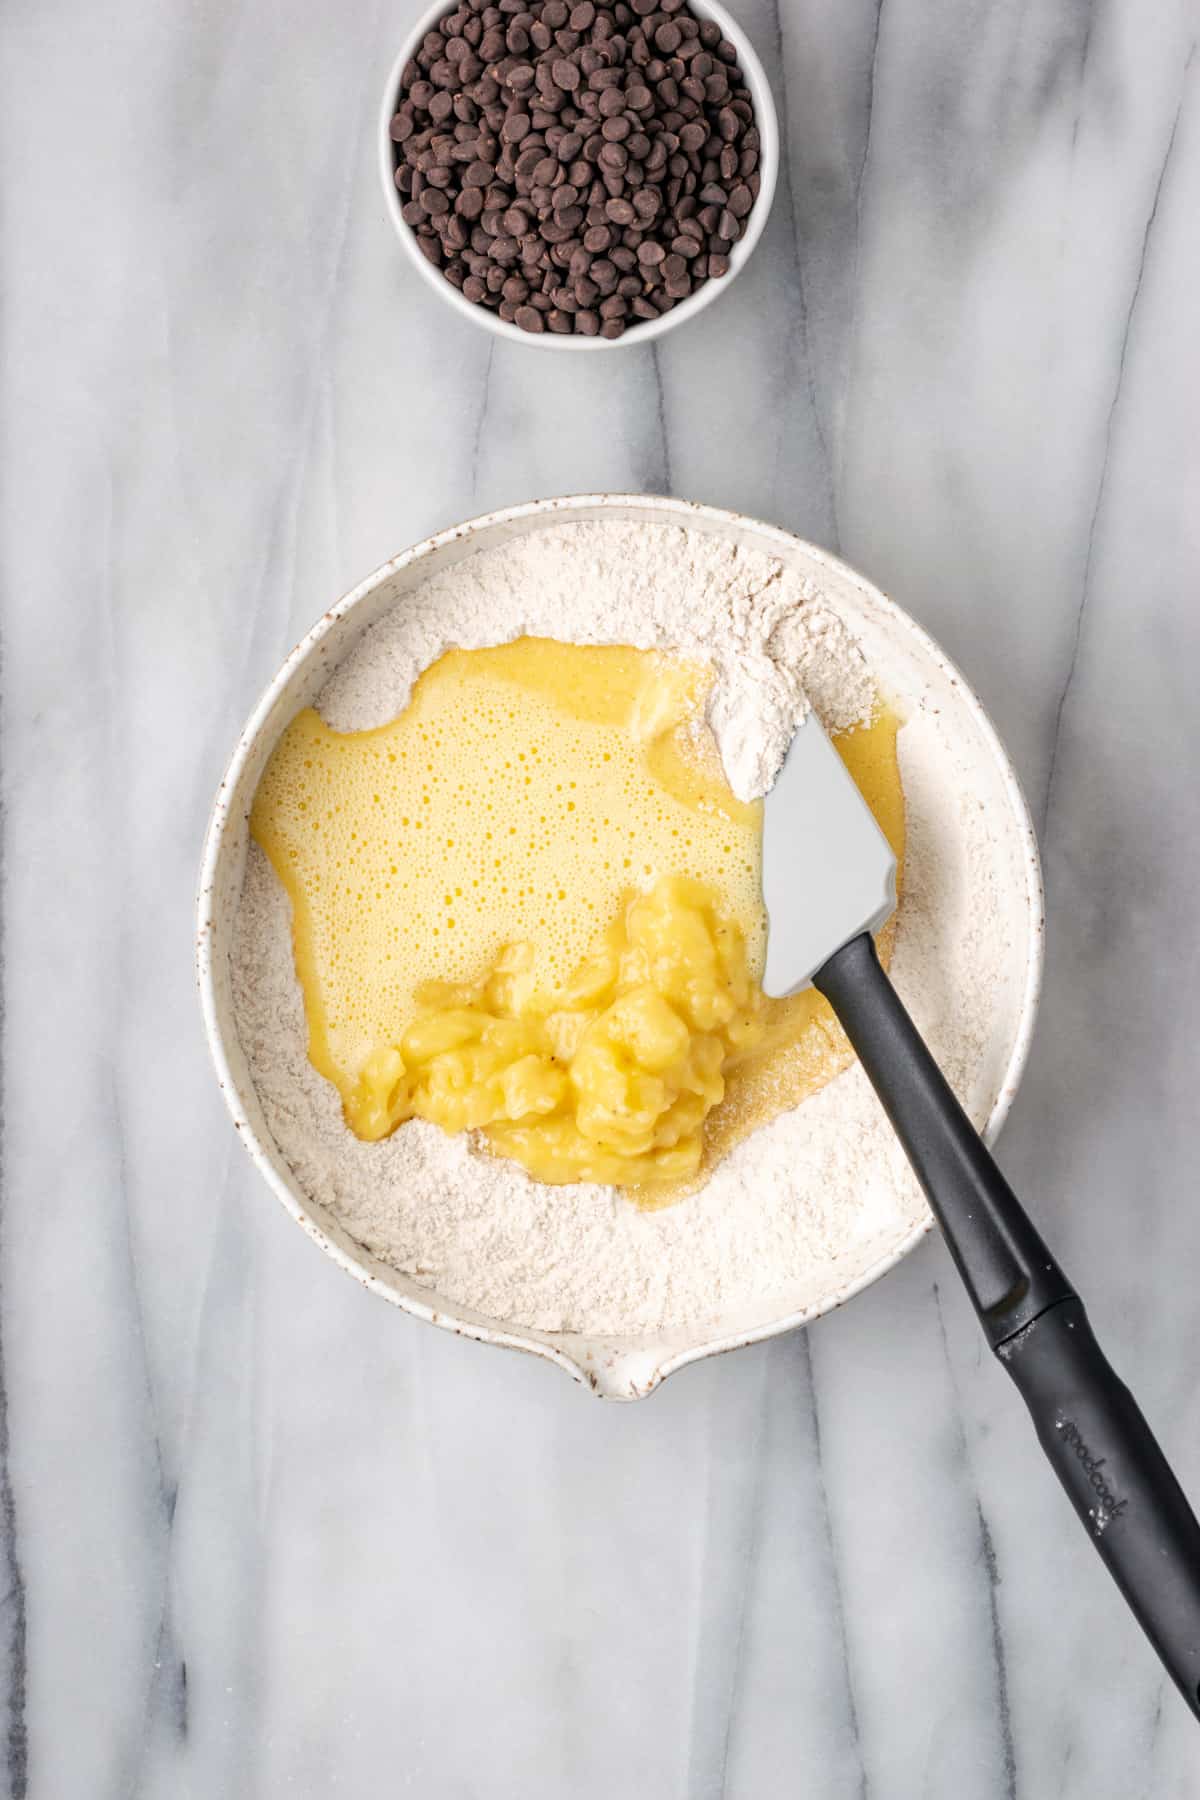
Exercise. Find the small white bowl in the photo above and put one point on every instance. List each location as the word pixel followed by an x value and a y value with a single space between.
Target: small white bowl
pixel 646 331
pixel 909 665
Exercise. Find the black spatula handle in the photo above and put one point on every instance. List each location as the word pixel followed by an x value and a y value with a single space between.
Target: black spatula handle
pixel 1090 1426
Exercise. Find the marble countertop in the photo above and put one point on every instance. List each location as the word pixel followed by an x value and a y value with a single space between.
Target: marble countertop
pixel 263 1535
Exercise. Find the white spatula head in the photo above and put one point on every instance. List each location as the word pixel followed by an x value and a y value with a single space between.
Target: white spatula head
pixel 828 871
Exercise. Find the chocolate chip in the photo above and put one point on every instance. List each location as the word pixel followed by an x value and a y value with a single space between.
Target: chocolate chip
pixel 557 231
pixel 575 165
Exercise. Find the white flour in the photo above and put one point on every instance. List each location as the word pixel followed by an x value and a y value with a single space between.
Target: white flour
pixel 770 638
pixel 798 1197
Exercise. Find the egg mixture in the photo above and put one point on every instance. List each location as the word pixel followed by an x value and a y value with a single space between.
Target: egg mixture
pixel 530 906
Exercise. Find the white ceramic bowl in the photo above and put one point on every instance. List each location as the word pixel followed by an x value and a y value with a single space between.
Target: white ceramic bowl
pixel 910 666
pixel 648 330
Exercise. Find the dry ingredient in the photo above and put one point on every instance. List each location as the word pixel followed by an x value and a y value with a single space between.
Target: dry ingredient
pixel 576 169
pixel 798 1197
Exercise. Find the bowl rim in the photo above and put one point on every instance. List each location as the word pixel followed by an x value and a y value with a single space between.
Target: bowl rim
pixel 626 1369
pixel 766 119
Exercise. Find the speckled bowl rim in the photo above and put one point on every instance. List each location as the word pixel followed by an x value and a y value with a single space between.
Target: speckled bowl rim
pixel 765 118
pixel 632 1368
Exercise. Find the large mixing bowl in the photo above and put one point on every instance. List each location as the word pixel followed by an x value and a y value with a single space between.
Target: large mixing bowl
pixel 909 665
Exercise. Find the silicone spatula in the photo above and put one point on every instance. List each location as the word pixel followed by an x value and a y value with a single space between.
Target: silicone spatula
pixel 829 881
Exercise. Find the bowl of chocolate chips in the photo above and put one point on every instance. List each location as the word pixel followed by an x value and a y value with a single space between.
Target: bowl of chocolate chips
pixel 578 174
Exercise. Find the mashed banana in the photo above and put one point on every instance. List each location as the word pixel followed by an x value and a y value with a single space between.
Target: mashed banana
pixel 608 1079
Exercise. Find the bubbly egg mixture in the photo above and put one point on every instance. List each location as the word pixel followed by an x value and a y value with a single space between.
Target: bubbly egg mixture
pixel 530 906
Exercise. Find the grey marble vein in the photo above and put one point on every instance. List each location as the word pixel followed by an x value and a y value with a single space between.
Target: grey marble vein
pixel 262 1536
pixel 1109 424
pixel 990 1564
pixel 841 1645
pixel 13 1611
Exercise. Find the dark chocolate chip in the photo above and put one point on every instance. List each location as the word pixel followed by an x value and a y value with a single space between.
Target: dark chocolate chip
pixel 585 164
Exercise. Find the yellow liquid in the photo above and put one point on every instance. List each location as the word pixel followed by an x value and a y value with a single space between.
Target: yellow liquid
pixel 522 798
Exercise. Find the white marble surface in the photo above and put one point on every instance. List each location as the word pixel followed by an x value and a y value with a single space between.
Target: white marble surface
pixel 264 1536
